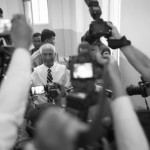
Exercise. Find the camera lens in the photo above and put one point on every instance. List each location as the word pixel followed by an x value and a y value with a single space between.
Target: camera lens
pixel 133 90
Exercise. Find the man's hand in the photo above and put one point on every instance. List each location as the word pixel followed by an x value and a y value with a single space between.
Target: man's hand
pixel 115 32
pixel 21 32
pixel 57 130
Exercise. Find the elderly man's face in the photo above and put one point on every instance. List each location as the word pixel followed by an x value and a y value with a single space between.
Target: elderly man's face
pixel 48 56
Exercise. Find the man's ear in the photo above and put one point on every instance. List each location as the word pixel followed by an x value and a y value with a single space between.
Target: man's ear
pixel 46 41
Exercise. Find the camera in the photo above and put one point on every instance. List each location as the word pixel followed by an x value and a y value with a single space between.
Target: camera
pixel 143 89
pixel 84 71
pixel 83 66
pixel 98 27
pixel 52 90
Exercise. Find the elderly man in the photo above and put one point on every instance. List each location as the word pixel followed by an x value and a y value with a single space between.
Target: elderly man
pixel 49 71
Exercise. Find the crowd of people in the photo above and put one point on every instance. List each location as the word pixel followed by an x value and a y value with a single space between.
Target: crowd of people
pixel 32 122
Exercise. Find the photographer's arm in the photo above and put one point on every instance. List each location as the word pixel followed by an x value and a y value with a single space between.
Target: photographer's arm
pixel 128 131
pixel 136 58
pixel 14 90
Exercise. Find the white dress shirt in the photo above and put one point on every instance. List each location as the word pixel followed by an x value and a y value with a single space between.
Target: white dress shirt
pixel 59 73
pixel 13 97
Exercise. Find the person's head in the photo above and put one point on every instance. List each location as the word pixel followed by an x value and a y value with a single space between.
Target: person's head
pixel 1 13
pixel 48 36
pixel 48 54
pixel 36 40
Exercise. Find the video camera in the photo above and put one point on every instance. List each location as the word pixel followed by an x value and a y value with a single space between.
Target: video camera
pixel 143 89
pixel 98 27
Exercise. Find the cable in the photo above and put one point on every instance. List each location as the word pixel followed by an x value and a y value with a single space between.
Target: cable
pixel 146 104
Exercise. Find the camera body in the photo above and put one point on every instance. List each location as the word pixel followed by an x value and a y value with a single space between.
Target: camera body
pixel 52 90
pixel 83 66
pixel 84 71
pixel 98 27
pixel 81 101
pixel 143 89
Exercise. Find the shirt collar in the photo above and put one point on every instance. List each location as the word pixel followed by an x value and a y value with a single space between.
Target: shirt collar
pixel 50 67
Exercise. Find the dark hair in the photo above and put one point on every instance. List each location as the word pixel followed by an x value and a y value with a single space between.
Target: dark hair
pixel 1 11
pixel 36 35
pixel 47 34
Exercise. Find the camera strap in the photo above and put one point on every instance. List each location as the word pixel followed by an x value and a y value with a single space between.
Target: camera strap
pixel 118 43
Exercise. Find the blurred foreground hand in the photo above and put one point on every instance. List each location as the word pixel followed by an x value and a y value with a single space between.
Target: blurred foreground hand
pixel 21 32
pixel 57 130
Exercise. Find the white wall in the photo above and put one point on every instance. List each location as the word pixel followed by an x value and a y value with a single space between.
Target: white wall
pixel 11 7
pixel 135 24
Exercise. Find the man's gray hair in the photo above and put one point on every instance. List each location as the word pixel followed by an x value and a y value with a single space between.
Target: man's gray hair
pixel 47 45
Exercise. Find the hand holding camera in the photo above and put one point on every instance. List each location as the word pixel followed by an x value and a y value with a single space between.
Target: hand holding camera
pixel 114 32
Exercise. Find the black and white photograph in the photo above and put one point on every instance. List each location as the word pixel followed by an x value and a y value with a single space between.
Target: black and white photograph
pixel 74 75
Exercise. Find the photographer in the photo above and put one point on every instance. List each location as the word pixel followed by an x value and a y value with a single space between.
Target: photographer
pixel 14 89
pixel 136 58
pixel 128 131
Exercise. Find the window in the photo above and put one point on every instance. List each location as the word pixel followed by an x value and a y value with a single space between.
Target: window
pixel 40 11
pixel 28 11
